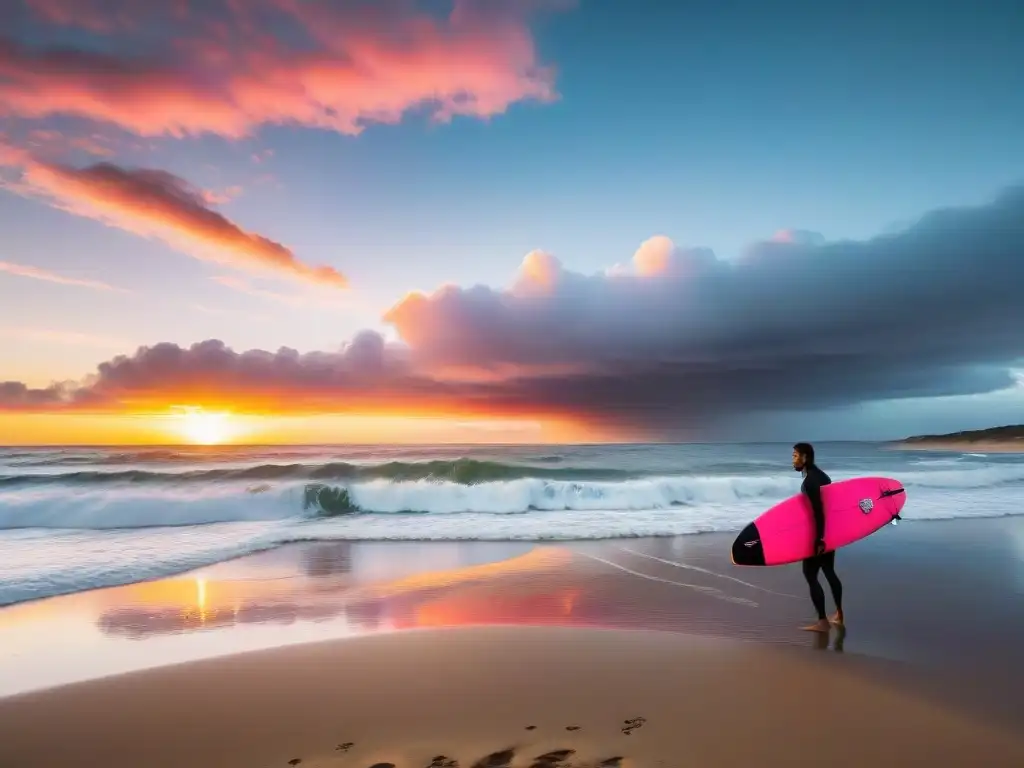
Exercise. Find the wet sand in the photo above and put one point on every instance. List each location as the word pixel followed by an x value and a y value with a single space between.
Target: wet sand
pixel 259 676
pixel 496 697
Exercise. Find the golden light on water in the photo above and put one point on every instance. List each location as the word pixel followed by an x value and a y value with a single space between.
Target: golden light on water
pixel 201 599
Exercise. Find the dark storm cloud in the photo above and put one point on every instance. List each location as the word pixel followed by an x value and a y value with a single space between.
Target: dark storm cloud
pixel 680 335
pixel 677 339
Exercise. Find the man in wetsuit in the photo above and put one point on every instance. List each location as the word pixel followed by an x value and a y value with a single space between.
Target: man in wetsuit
pixel 814 480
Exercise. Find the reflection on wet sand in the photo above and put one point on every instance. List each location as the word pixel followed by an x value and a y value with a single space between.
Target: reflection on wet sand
pixel 498 592
pixel 836 640
pixel 139 623
pixel 309 592
pixel 510 591
pixel 321 561
pixel 590 586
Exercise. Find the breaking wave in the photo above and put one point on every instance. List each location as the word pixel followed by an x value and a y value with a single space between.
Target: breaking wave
pixel 77 518
pixel 139 498
pixel 52 506
pixel 460 471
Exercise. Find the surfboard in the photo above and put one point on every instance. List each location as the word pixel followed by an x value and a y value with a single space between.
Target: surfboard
pixel 853 509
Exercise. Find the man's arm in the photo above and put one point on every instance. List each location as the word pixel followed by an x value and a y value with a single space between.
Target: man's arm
pixel 812 487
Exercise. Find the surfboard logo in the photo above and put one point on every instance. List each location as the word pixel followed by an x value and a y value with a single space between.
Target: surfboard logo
pixel 753 543
pixel 866 505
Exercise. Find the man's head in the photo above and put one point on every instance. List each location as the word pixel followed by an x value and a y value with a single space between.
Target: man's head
pixel 803 456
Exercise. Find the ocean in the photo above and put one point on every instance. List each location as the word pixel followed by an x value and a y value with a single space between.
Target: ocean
pixel 75 518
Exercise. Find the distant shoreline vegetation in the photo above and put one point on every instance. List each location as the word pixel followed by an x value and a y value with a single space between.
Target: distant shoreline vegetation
pixel 1009 437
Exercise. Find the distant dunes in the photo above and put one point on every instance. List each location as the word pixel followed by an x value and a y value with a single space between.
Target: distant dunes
pixel 1007 438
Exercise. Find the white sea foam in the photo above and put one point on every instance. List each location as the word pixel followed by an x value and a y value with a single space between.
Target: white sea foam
pixel 60 537
pixel 140 506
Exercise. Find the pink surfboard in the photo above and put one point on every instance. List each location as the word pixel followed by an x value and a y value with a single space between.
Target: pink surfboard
pixel 853 509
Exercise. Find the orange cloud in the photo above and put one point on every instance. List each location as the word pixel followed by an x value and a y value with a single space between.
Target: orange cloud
pixel 34 273
pixel 366 377
pixel 230 69
pixel 156 203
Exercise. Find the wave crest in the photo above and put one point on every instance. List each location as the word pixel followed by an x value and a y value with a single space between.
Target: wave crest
pixel 461 471
pixel 154 506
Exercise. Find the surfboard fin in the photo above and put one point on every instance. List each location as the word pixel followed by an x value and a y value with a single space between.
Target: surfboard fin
pixel 896 519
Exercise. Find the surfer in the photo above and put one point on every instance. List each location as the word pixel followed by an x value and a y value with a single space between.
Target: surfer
pixel 814 480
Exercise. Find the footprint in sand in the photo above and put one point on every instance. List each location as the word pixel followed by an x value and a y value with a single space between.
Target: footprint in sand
pixel 531 727
pixel 295 761
pixel 572 727
pixel 632 724
pixel 611 762
pixel 443 761
pixel 555 759
pixel 383 765
pixel 501 759
pixel 344 747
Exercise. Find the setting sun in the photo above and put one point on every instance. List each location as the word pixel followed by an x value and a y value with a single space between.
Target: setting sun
pixel 204 428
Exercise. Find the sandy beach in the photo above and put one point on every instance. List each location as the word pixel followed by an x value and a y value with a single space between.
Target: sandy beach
pixel 499 697
pixel 628 652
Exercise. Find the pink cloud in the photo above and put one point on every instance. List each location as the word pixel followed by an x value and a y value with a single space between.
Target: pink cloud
pixel 93 15
pixel 50 143
pixel 262 156
pixel 231 72
pixel 34 273
pixel 213 197
pixel 91 145
pixel 156 203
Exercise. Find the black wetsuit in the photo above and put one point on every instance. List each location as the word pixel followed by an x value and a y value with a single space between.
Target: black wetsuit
pixel 814 480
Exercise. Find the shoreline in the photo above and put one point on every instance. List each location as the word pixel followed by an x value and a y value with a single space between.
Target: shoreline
pixel 557 697
pixel 725 535
pixel 313 591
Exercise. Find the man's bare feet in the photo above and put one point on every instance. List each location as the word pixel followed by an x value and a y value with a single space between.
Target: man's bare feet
pixel 837 620
pixel 821 625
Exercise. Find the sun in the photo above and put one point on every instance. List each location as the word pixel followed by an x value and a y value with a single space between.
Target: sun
pixel 203 427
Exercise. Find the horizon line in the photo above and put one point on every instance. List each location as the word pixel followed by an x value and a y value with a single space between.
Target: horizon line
pixel 424 443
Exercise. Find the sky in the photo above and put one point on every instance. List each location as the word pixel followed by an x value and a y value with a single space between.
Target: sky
pixel 509 221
